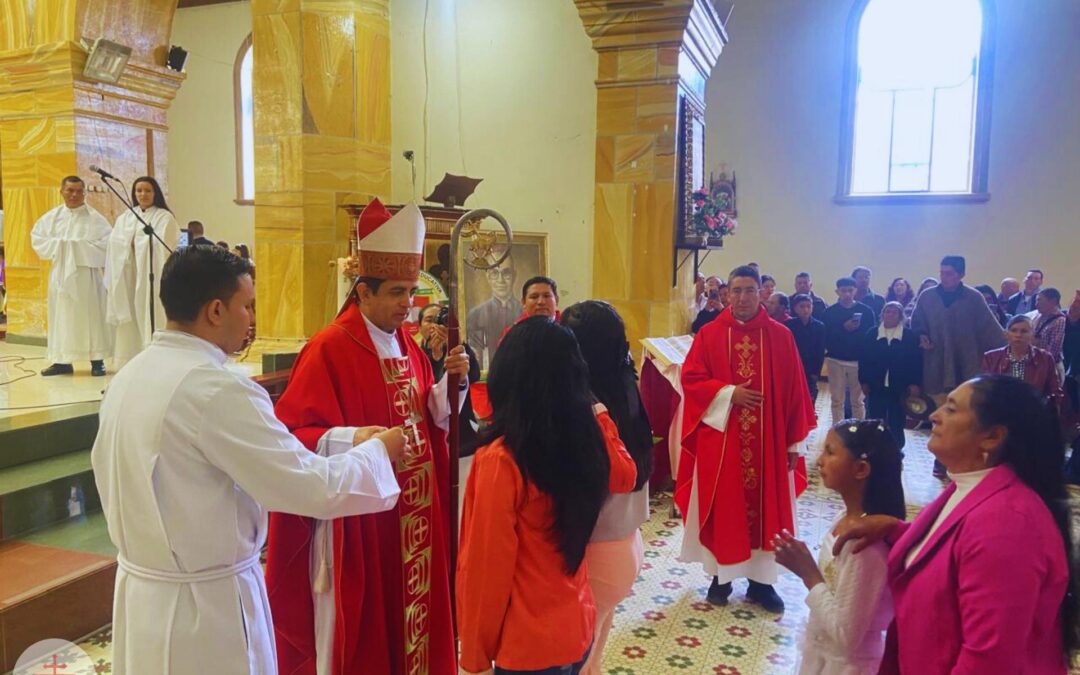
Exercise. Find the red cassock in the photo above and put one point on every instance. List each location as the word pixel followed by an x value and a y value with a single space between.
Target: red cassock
pixel 744 493
pixel 390 572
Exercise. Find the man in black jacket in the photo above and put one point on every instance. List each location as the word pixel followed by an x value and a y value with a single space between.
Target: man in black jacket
pixel 809 340
pixel 890 369
pixel 846 324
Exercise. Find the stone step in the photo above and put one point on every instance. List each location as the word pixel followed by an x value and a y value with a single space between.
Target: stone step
pixel 56 583
pixel 41 493
pixel 38 435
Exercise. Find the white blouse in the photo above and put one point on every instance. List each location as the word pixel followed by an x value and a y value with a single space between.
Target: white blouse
pixel 965 483
pixel 849 613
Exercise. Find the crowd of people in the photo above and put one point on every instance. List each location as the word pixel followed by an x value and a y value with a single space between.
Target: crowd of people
pixel 880 350
pixel 103 299
pixel 346 476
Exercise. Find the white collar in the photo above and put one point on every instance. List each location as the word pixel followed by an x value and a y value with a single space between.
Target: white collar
pixel 181 340
pixel 896 333
pixel 385 343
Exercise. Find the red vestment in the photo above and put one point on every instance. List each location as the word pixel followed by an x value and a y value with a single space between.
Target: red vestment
pixel 390 571
pixel 744 494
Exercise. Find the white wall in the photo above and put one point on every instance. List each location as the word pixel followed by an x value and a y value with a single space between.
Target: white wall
pixel 202 137
pixel 511 100
pixel 773 112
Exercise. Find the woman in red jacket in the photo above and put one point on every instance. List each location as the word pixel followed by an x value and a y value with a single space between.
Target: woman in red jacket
pixel 982 580
pixel 534 493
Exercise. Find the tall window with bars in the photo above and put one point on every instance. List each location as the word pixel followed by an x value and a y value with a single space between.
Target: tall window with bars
pixel 917 100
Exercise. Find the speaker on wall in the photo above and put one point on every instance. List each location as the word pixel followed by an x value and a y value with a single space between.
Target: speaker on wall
pixel 176 59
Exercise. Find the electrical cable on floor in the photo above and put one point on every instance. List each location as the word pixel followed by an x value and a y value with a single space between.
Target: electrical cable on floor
pixel 17 362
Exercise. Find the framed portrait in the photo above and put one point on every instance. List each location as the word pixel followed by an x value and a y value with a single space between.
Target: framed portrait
pixel 491 299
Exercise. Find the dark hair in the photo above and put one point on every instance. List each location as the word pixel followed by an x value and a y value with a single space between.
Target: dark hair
pixel 908 297
pixel 71 179
pixel 956 262
pixel 783 299
pixel 1034 450
pixel 927 283
pixel 800 298
pixel 767 277
pixel 871 441
pixel 1038 271
pixel 1052 293
pixel 990 295
pixel 846 282
pixel 196 227
pixel 245 252
pixel 802 275
pixel 539 280
pixel 159 196
pixel 432 305
pixel 860 268
pixel 196 275
pixel 371 282
pixel 542 411
pixel 1019 318
pixel 224 244
pixel 601 335
pixel 745 271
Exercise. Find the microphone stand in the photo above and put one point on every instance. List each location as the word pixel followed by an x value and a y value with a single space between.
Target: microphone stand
pixel 150 232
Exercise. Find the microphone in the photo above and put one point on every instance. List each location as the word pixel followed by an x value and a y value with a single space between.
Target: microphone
pixel 102 172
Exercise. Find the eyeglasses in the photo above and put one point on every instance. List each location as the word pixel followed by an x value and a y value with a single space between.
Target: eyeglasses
pixel 505 274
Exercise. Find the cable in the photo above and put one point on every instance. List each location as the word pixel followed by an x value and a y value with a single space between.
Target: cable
pixel 17 362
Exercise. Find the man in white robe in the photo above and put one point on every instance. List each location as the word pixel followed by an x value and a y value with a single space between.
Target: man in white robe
pixel 74 237
pixel 188 459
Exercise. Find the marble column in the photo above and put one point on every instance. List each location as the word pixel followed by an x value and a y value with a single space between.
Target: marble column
pixel 54 122
pixel 649 58
pixel 321 74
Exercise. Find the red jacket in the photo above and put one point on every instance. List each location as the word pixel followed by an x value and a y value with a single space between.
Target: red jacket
pixel 1040 371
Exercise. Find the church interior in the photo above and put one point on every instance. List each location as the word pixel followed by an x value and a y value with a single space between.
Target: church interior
pixel 596 128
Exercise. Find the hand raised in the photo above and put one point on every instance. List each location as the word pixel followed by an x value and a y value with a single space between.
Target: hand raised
pixel 746 397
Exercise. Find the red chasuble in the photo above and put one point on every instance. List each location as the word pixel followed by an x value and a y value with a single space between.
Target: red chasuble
pixel 744 495
pixel 390 573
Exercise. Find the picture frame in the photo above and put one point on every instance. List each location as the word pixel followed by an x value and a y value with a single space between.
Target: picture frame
pixel 490 300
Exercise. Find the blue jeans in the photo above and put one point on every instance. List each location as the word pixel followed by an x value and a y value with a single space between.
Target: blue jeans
pixel 573 669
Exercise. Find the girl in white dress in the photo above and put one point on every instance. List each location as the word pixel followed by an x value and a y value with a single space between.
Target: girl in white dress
pixel 850 603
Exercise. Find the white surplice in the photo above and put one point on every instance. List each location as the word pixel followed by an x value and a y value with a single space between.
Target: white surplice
pixel 127 278
pixel 75 241
pixel 188 460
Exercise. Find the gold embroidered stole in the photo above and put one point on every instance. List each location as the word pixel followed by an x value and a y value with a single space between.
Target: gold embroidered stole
pixel 416 509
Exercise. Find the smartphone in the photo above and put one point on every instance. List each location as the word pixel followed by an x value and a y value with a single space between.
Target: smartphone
pixel 857 316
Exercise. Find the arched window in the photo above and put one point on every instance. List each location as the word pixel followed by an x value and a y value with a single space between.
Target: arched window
pixel 917 100
pixel 245 125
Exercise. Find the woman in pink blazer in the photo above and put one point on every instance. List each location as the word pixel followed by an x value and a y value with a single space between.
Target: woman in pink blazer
pixel 981 579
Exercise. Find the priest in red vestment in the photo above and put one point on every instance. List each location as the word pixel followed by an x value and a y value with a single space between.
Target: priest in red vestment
pixel 370 594
pixel 747 413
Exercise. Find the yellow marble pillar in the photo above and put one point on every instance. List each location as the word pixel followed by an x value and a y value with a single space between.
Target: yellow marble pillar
pixel 321 74
pixel 650 59
pixel 54 122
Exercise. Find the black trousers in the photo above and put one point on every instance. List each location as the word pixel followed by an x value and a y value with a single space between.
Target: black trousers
pixel 887 403
pixel 811 383
pixel 572 669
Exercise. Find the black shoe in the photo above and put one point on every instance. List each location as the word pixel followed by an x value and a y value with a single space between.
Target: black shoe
pixel 939 470
pixel 766 596
pixel 718 593
pixel 58 369
pixel 97 368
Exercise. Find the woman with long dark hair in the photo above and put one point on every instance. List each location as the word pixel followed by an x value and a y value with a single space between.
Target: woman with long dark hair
pixel 128 269
pixel 615 551
pixel 983 580
pixel 990 296
pixel 548 462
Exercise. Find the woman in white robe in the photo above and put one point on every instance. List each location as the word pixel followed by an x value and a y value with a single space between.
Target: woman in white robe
pixel 128 269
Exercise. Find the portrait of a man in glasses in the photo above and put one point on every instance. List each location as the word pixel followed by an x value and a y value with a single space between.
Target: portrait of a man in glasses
pixel 486 321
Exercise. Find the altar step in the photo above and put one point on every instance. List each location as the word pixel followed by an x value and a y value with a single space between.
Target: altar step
pixel 57 564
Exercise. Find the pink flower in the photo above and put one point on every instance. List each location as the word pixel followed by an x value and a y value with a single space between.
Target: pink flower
pixel 698 203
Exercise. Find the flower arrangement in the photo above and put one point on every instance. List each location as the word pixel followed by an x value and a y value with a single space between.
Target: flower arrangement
pixel 712 206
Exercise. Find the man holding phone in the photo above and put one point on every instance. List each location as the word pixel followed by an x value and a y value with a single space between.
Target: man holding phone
pixel 846 324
